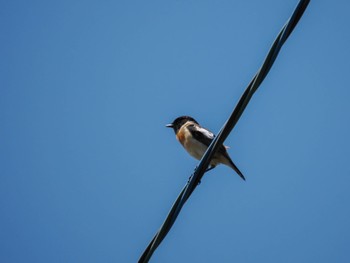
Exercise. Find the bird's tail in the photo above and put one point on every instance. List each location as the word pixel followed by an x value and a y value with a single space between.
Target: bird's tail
pixel 234 167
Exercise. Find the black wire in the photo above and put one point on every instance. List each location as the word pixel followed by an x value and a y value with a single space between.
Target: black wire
pixel 225 130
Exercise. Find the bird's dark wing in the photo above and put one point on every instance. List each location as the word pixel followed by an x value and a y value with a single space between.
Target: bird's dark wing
pixel 205 136
pixel 201 134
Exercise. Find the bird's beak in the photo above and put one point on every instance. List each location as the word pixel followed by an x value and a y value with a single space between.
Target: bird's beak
pixel 170 125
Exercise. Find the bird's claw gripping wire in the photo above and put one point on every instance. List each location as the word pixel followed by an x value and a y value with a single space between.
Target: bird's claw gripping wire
pixel 208 169
pixel 189 178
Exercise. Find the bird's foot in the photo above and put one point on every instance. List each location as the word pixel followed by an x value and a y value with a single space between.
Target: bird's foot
pixel 189 179
pixel 210 168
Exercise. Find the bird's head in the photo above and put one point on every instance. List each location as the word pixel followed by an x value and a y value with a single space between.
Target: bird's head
pixel 178 122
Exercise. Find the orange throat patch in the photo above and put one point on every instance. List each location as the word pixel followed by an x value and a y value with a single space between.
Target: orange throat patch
pixel 180 136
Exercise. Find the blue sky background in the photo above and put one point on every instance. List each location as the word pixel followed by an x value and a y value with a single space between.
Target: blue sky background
pixel 89 172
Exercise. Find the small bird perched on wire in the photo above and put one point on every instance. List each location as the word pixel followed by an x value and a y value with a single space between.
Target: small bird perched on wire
pixel 196 140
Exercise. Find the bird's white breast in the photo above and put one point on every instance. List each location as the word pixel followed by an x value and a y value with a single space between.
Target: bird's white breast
pixel 195 148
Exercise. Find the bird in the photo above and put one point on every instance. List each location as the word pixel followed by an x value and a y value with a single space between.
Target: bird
pixel 196 140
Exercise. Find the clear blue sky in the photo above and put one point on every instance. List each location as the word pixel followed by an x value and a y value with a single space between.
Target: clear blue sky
pixel 88 171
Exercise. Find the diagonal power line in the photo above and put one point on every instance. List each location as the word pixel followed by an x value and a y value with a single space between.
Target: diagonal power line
pixel 225 130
